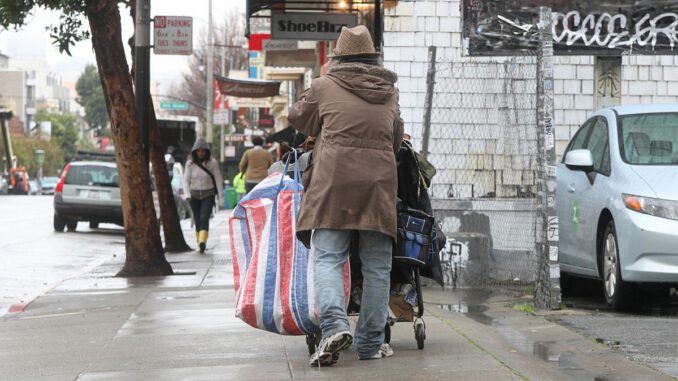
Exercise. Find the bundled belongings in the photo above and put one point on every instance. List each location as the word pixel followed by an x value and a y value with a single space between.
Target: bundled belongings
pixel 272 270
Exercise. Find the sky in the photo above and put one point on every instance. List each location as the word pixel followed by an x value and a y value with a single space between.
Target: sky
pixel 33 42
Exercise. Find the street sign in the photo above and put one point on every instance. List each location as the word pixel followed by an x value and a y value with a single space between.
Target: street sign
pixel 310 26
pixel 235 138
pixel 175 105
pixel 221 117
pixel 173 35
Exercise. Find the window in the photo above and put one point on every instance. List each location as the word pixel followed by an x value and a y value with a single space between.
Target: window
pixel 92 175
pixel 599 145
pixel 579 138
pixel 649 139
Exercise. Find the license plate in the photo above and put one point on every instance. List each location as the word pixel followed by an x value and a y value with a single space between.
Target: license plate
pixel 94 194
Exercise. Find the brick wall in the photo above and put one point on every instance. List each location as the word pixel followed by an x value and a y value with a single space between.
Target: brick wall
pixel 412 26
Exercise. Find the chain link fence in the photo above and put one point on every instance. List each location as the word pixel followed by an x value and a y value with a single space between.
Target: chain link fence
pixel 482 138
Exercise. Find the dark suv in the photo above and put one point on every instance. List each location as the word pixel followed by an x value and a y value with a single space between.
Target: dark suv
pixel 87 191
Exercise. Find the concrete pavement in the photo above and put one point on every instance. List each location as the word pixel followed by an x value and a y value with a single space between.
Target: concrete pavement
pixel 182 327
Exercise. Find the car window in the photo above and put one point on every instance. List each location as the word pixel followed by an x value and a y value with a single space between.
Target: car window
pixel 649 139
pixel 598 143
pixel 92 174
pixel 579 138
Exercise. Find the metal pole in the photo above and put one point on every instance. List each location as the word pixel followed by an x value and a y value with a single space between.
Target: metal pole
pixel 210 76
pixel 223 72
pixel 547 294
pixel 6 137
pixel 142 78
pixel 378 24
pixel 428 103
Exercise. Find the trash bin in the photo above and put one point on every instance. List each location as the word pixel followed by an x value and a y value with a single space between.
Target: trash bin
pixel 231 199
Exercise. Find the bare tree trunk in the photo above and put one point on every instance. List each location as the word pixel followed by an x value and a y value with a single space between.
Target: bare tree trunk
pixel 174 236
pixel 144 252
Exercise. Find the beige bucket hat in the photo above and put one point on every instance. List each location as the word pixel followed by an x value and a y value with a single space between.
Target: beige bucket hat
pixel 354 42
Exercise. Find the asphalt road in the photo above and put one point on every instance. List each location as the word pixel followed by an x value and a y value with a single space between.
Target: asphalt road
pixel 648 335
pixel 34 258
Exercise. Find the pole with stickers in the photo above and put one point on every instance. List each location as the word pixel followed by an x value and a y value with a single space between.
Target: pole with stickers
pixel 547 293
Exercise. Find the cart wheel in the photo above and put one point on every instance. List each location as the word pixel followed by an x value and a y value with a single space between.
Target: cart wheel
pixel 420 335
pixel 311 343
pixel 387 333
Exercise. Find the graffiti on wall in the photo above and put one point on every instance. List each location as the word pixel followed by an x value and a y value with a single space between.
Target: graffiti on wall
pixel 608 81
pixel 505 27
pixel 453 259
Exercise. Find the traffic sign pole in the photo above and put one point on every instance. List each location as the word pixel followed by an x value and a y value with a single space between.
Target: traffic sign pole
pixel 142 78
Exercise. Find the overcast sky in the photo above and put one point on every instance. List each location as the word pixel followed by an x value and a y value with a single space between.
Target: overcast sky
pixel 33 42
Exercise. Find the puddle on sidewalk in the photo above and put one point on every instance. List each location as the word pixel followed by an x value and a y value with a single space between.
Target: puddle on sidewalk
pixel 475 312
pixel 473 306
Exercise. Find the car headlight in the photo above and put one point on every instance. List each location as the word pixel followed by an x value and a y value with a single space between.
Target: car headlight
pixel 652 206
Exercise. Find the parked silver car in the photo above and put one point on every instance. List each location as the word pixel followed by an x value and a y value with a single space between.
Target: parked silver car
pixel 617 197
pixel 87 191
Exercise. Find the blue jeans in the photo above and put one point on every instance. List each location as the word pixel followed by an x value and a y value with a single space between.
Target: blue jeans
pixel 331 249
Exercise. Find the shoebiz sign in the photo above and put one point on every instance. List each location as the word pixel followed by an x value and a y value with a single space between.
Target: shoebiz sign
pixel 310 26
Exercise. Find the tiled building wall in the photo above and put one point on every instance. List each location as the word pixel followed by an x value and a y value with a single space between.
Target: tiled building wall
pixel 412 26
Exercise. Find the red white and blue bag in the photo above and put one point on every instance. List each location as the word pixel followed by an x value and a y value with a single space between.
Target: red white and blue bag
pixel 272 270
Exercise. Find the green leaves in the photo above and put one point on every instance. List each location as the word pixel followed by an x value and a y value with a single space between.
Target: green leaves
pixel 71 29
pixel 65 131
pixel 91 97
pixel 68 32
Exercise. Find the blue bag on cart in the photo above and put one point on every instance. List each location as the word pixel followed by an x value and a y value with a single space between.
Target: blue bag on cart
pixel 415 237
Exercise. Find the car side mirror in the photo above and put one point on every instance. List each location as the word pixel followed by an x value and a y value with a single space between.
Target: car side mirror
pixel 579 160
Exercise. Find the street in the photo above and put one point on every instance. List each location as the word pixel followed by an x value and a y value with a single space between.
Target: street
pixel 34 258
pixel 648 335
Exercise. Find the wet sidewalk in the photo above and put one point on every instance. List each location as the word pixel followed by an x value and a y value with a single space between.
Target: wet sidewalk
pixel 182 327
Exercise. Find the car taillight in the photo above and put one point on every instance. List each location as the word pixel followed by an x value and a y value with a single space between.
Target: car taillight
pixel 60 185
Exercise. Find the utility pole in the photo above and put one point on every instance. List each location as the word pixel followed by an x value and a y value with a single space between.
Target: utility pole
pixel 222 146
pixel 210 76
pixel 142 77
pixel 5 116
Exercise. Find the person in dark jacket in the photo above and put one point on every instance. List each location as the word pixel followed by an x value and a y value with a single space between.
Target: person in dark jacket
pixel 203 181
pixel 353 111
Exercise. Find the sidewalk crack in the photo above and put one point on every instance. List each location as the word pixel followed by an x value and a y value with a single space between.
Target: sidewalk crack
pixel 287 358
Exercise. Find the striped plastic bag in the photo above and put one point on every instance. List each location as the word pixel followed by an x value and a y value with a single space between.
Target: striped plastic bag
pixel 272 270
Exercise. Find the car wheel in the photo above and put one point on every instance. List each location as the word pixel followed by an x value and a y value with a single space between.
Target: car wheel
pixel 619 294
pixel 93 225
pixel 59 223
pixel 72 225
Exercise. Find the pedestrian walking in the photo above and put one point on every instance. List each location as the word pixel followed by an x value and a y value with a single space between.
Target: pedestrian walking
pixel 239 185
pixel 255 163
pixel 353 111
pixel 203 180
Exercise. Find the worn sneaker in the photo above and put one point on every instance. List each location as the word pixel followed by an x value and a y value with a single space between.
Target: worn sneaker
pixel 327 352
pixel 385 350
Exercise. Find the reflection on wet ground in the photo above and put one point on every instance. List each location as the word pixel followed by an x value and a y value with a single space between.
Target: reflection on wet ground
pixel 586 314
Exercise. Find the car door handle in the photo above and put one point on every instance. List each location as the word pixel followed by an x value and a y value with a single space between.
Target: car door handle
pixel 570 188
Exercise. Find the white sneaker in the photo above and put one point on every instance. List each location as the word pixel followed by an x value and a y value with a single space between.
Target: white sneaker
pixel 327 353
pixel 385 350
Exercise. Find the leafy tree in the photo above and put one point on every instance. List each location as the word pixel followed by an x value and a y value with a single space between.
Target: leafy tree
pixel 143 245
pixel 91 97
pixel 24 149
pixel 64 131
